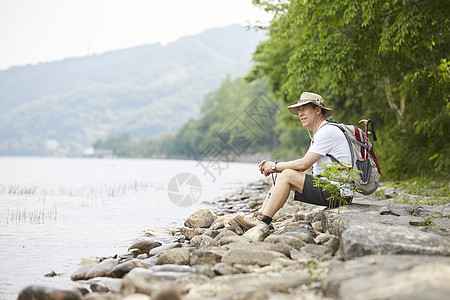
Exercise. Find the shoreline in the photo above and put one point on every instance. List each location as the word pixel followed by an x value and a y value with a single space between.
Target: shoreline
pixel 303 254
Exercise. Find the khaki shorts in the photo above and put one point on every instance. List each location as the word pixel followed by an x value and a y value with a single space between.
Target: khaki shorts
pixel 316 195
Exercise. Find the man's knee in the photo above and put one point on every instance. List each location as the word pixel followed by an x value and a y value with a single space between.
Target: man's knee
pixel 291 175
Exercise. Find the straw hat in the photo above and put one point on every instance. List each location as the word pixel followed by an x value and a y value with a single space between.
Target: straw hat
pixel 307 97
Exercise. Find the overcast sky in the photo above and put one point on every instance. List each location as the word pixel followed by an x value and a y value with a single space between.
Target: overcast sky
pixel 33 31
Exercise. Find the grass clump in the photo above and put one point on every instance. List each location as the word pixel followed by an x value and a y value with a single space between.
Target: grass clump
pixel 415 192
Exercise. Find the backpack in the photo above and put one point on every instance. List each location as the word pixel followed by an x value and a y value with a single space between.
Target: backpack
pixel 363 156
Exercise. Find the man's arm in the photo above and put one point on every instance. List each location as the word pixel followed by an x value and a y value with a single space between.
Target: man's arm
pixel 301 164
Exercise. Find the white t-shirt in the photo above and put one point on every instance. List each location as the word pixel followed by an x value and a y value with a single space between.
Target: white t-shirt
pixel 330 140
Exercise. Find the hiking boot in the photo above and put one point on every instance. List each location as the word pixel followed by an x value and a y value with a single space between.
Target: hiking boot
pixel 249 221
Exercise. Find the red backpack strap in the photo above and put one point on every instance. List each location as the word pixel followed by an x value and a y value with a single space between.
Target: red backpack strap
pixel 375 160
pixel 359 139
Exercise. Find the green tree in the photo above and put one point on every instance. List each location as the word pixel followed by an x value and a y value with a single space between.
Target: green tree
pixel 231 110
pixel 383 59
pixel 121 144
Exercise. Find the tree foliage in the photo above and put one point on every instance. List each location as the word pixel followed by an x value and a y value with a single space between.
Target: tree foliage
pixel 237 118
pixel 387 60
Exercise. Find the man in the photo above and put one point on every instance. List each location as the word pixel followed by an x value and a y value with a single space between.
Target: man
pixel 325 140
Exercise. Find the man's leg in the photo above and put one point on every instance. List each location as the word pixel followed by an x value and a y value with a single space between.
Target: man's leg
pixel 287 180
pixel 269 194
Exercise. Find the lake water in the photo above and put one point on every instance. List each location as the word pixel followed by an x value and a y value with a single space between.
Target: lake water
pixel 57 211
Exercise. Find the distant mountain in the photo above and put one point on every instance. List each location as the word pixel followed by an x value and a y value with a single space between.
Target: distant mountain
pixel 64 106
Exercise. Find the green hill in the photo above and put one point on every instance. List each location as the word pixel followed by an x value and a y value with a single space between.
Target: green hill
pixel 147 90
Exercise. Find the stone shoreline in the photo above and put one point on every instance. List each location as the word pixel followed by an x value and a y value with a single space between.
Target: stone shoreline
pixel 372 249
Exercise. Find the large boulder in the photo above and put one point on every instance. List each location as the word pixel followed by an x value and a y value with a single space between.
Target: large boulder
pixel 287 240
pixel 145 281
pixel 43 292
pixel 101 269
pixel 177 256
pixel 203 241
pixel 121 269
pixel 203 217
pixel 204 257
pixel 257 233
pixel 145 245
pixel 389 277
pixel 251 257
pixel 283 249
pixel 248 286
pixel 364 230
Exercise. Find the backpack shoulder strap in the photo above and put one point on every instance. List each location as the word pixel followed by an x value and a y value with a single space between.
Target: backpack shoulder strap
pixel 349 141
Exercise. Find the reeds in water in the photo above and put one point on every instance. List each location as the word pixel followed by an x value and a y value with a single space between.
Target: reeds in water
pixel 36 216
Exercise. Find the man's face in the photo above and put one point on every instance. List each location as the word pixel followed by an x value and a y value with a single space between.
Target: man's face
pixel 306 115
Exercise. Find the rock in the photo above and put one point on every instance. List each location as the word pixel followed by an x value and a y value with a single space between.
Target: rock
pixel 167 292
pixel 317 226
pixel 163 248
pixel 236 229
pixel 142 256
pixel 248 285
pixel 316 251
pixel 36 292
pixel 80 273
pixel 333 244
pixel 390 193
pixel 282 248
pixel 188 282
pixel 299 217
pixel 323 238
pixel 389 277
pixel 133 253
pixel 203 241
pixel 221 222
pixel 145 245
pixel 285 239
pixel 301 228
pixel 372 238
pixel 189 233
pixel 234 239
pixel 282 263
pixel 203 217
pixel 205 270
pixel 103 296
pixel 363 231
pixel 211 233
pixel 301 236
pixel 177 256
pixel 224 269
pixel 224 233
pixel 111 284
pixel 257 233
pixel 136 297
pixel 121 269
pixel 204 257
pixel 98 287
pixel 102 269
pixel 142 281
pixel 172 268
pixel 387 211
pixel 250 257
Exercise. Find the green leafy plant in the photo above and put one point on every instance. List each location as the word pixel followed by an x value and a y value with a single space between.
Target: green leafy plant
pixel 429 222
pixel 379 194
pixel 337 176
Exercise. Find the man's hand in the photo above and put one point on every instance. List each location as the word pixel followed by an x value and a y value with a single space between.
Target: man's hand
pixel 265 167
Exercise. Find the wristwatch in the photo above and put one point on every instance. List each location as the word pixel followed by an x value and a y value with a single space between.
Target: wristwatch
pixel 274 166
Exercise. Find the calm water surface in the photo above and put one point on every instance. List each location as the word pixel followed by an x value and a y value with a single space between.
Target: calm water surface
pixel 57 211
